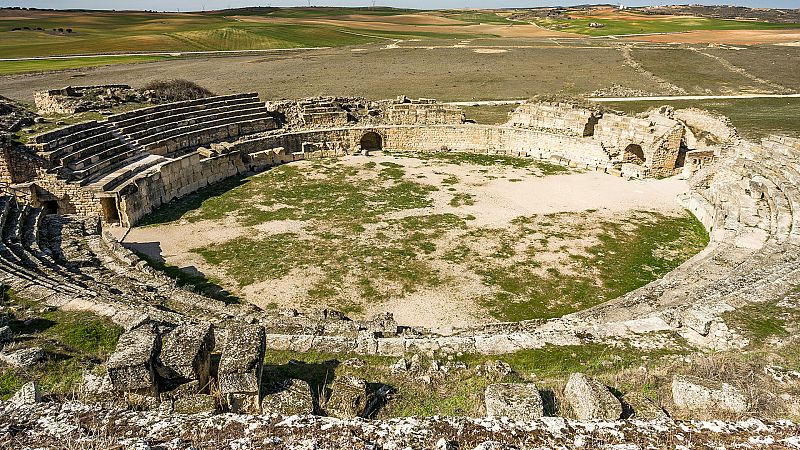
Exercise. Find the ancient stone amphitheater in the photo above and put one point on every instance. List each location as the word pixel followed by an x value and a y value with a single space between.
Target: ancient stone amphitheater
pixel 63 189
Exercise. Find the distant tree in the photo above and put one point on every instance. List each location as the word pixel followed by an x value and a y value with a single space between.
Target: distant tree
pixel 69 30
pixel 60 30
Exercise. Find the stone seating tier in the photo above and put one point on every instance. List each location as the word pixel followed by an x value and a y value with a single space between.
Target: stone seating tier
pixel 148 120
pixel 135 115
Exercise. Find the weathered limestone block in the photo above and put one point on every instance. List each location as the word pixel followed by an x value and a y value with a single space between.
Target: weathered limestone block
pixel 590 399
pixel 186 353
pixel 131 365
pixel 643 408
pixel 95 388
pixel 242 356
pixel 195 404
pixel 348 398
pixel 25 358
pixel 288 397
pixel 515 401
pixel 28 394
pixel 696 394
pixel 241 365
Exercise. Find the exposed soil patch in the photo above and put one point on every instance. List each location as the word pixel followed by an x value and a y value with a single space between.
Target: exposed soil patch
pixel 441 240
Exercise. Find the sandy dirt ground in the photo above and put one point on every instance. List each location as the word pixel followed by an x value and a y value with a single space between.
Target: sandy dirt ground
pixel 500 195
pixel 732 37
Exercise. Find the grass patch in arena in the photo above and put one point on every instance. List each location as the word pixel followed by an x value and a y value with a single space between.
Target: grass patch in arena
pixel 369 231
pixel 629 254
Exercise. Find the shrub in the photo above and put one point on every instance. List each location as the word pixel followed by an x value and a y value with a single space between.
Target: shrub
pixel 176 90
pixel 69 30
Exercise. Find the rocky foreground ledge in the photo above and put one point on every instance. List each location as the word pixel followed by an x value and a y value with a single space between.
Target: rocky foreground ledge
pixel 77 425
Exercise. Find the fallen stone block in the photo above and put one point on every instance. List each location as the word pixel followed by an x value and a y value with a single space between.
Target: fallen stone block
pixel 186 353
pixel 24 358
pixel 287 398
pixel 696 394
pixel 28 394
pixel 643 408
pixel 240 367
pixel 348 398
pixel 195 404
pixel 95 388
pixel 513 400
pixel 590 399
pixel 130 367
pixel 242 358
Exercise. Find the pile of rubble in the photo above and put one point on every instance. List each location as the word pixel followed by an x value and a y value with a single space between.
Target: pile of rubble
pixel 75 99
pixel 51 425
pixel 14 117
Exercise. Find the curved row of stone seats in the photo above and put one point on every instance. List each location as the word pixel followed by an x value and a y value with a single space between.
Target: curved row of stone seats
pixel 208 132
pixel 135 116
pixel 64 136
pixel 162 130
pixel 147 118
pixel 111 181
pixel 22 262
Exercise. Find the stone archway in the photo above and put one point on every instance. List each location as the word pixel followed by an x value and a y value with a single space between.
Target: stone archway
pixel 371 141
pixel 634 154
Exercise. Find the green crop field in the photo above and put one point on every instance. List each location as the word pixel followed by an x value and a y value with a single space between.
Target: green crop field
pixel 42 65
pixel 633 25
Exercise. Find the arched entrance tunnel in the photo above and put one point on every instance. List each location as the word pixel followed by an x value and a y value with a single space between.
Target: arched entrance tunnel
pixel 634 154
pixel 371 141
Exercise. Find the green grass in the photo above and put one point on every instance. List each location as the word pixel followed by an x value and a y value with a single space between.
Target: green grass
pixel 761 321
pixel 634 25
pixel 623 260
pixel 107 32
pixel 74 342
pixel 754 118
pixel 482 159
pixel 355 253
pixel 12 67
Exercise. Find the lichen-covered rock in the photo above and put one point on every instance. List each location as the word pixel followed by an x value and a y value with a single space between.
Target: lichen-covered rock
pixel 95 388
pixel 186 353
pixel 696 394
pixel 591 399
pixel 642 408
pixel 28 394
pixel 348 397
pixel 242 360
pixel 513 400
pixel 24 358
pixel 195 404
pixel 288 397
pixel 130 367
pixel 5 334
pixel 240 367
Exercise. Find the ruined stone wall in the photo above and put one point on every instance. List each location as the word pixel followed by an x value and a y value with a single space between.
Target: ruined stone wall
pixel 561 117
pixel 709 128
pixel 424 114
pixel 658 137
pixel 176 179
pixel 72 99
pixel 477 138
